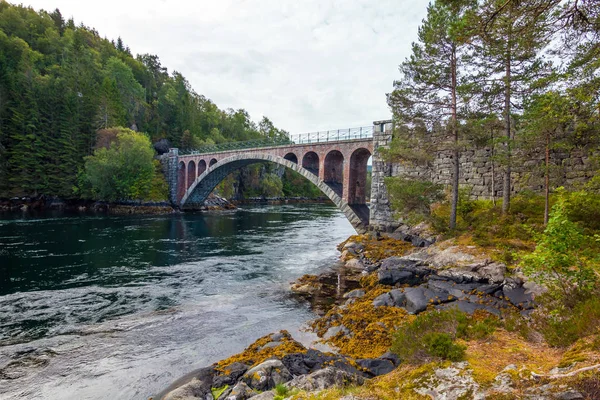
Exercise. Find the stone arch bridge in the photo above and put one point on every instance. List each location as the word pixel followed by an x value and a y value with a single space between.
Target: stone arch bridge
pixel 334 161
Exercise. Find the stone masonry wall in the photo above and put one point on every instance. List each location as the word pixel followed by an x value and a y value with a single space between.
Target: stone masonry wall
pixel 478 172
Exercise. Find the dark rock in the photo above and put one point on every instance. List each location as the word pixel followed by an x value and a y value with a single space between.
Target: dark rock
pixel 518 297
pixel 376 366
pixel 162 146
pixel 325 378
pixel 397 270
pixel 571 395
pixel 468 307
pixel 313 360
pixel 416 300
pixel 393 298
pixel 232 373
pixel 391 357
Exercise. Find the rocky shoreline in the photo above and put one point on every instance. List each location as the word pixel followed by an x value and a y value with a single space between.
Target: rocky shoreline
pixel 381 282
pixel 43 203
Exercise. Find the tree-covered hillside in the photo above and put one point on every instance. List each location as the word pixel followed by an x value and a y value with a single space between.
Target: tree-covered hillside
pixel 60 83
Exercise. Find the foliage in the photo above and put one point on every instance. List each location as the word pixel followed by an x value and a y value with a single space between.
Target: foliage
pixel 433 334
pixel 60 82
pixel 412 198
pixel 563 324
pixel 563 259
pixel 126 170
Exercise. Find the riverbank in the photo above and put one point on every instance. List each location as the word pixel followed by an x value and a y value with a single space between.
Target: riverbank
pixel 43 204
pixel 459 323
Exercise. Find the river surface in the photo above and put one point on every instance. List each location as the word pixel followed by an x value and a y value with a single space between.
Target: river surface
pixel 106 307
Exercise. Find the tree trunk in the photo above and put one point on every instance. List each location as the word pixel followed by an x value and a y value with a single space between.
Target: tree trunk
pixel 507 108
pixel 456 154
pixel 547 183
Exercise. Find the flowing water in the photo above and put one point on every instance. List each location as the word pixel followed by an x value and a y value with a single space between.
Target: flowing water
pixel 107 307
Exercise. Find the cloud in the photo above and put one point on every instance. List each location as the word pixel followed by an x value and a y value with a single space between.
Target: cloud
pixel 310 65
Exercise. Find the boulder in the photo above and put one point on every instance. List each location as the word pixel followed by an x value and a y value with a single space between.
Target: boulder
pixel 231 374
pixel 393 298
pixel 195 385
pixel 267 375
pixel 417 299
pixel 391 357
pixel 494 272
pixel 325 378
pixel 313 360
pixel 336 330
pixel 241 391
pixel 519 297
pixel 401 270
pixel 269 395
pixel 376 366
pixel 354 264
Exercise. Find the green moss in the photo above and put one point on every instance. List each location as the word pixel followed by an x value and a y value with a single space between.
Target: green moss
pixel 217 392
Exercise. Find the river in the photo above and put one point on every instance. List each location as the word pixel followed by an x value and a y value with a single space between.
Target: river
pixel 118 307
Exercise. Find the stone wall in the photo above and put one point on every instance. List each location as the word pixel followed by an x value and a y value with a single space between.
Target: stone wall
pixel 479 173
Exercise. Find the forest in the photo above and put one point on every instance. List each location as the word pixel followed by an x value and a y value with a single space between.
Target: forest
pixel 63 87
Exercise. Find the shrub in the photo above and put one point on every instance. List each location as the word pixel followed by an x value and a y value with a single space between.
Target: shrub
pixel 123 171
pixel 433 334
pixel 412 198
pixel 563 325
pixel 563 259
pixel 442 345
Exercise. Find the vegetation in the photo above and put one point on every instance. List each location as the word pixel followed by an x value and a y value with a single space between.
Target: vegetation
pixel 123 171
pixel 62 83
pixel 433 335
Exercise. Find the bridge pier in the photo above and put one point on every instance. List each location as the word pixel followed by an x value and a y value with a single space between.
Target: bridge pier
pixel 381 216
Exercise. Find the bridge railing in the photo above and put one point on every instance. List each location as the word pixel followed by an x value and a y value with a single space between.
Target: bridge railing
pixel 337 135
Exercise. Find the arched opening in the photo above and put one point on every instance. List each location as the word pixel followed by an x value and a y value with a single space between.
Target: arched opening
pixel 201 188
pixel 334 171
pixel 310 161
pixel 212 162
pixel 291 157
pixel 201 167
pixel 358 176
pixel 191 173
pixel 181 183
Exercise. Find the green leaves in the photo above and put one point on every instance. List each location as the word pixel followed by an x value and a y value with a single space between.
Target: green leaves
pixel 125 171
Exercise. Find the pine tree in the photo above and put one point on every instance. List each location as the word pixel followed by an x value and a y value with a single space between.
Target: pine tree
pixel 432 75
pixel 511 38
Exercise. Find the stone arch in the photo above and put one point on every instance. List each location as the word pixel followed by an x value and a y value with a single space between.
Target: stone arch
pixel 201 167
pixel 205 183
pixel 310 161
pixel 358 176
pixel 333 174
pixel 212 162
pixel 191 173
pixel 181 182
pixel 291 157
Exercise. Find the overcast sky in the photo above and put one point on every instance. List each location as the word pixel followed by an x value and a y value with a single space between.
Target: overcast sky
pixel 307 65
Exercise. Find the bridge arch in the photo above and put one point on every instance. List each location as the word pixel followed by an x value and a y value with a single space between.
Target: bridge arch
pixel 333 172
pixel 358 176
pixel 212 162
pixel 201 167
pixel 191 173
pixel 291 157
pixel 310 161
pixel 204 184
